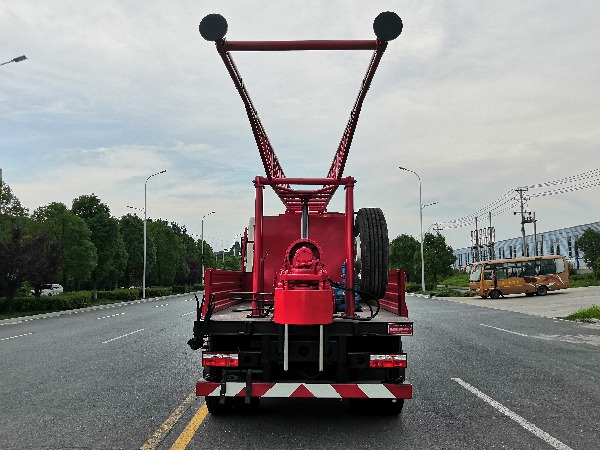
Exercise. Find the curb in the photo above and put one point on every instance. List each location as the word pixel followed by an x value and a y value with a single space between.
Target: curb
pixel 47 315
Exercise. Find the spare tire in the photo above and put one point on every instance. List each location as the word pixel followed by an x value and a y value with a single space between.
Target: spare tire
pixel 372 253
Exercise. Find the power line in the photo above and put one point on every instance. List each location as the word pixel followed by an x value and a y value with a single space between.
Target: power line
pixel 583 180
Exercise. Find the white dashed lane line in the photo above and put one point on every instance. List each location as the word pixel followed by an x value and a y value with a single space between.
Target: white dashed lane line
pixel 538 432
pixel 125 335
pixel 107 317
pixel 187 314
pixel 15 337
pixel 589 339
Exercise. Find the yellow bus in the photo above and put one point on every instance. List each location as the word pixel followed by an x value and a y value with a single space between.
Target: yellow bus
pixel 529 276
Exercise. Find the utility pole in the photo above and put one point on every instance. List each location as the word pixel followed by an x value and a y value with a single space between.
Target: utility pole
pixel 530 218
pixel 492 238
pixel 477 241
pixel 520 191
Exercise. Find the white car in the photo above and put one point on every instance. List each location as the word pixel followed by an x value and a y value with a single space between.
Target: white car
pixel 50 289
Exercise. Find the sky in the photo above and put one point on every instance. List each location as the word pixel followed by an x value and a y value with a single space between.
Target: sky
pixel 477 98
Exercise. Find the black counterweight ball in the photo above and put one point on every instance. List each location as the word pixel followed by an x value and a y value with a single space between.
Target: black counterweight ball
pixel 213 27
pixel 387 26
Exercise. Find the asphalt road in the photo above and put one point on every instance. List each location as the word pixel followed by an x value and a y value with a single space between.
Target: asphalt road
pixel 119 378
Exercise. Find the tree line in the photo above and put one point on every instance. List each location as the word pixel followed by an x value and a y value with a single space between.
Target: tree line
pixel 405 252
pixel 85 248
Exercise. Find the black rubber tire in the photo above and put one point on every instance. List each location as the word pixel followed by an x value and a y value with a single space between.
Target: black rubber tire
pixel 542 290
pixel 484 296
pixel 373 249
pixel 495 294
pixel 377 406
pixel 216 408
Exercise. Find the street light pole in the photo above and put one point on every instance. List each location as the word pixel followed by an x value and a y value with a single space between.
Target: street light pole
pixel 202 239
pixel 17 59
pixel 421 220
pixel 145 223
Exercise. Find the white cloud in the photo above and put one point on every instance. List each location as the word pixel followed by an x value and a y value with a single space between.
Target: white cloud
pixel 477 98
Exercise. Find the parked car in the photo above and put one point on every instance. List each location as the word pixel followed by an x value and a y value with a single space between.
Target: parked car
pixel 50 289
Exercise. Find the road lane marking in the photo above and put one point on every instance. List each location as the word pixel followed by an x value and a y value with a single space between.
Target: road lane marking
pixel 502 329
pixel 14 337
pixel 591 339
pixel 190 430
pixel 113 315
pixel 158 306
pixel 520 420
pixel 187 314
pixel 119 337
pixel 168 424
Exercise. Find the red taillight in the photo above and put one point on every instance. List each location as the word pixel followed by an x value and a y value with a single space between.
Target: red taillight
pixel 405 329
pixel 219 359
pixel 388 361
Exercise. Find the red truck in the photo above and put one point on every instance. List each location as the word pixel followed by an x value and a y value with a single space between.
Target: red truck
pixel 314 311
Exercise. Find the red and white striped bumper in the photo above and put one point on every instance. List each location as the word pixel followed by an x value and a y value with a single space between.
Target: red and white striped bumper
pixel 306 390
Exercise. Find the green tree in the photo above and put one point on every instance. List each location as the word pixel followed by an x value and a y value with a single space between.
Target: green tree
pixel 45 256
pixel 74 238
pixel 589 243
pixel 132 230
pixel 110 248
pixel 438 257
pixel 231 262
pixel 10 204
pixel 169 254
pixel 210 260
pixel 402 255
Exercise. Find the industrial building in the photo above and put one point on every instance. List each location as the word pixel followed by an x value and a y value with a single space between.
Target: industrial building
pixel 556 242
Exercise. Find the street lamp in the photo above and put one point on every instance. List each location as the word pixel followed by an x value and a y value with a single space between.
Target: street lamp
pixel 421 220
pixel 202 238
pixel 145 219
pixel 17 59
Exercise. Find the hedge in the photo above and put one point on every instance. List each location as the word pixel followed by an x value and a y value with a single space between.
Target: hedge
pixel 70 300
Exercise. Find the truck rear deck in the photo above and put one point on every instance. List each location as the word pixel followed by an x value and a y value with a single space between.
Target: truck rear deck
pixel 314 310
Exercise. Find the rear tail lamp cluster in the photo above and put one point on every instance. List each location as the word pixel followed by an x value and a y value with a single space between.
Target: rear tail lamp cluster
pixel 213 359
pixel 397 361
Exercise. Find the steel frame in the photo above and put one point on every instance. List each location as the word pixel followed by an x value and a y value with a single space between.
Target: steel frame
pixel 293 200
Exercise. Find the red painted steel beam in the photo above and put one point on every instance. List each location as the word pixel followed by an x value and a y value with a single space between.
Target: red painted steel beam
pixel 262 46
pixel 216 31
pixel 339 160
pixel 307 181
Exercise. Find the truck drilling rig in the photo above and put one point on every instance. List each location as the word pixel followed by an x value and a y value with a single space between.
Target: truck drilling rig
pixel 314 311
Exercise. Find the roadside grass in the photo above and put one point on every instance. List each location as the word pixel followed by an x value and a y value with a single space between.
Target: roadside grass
pixel 460 279
pixel 584 314
pixel 583 280
pixel 445 292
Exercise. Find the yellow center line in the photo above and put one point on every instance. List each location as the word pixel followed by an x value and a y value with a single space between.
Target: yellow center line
pixel 162 431
pixel 186 436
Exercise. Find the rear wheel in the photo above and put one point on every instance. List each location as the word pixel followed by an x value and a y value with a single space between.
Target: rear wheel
pixel 495 294
pixel 379 406
pixel 372 252
pixel 542 290
pixel 216 408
